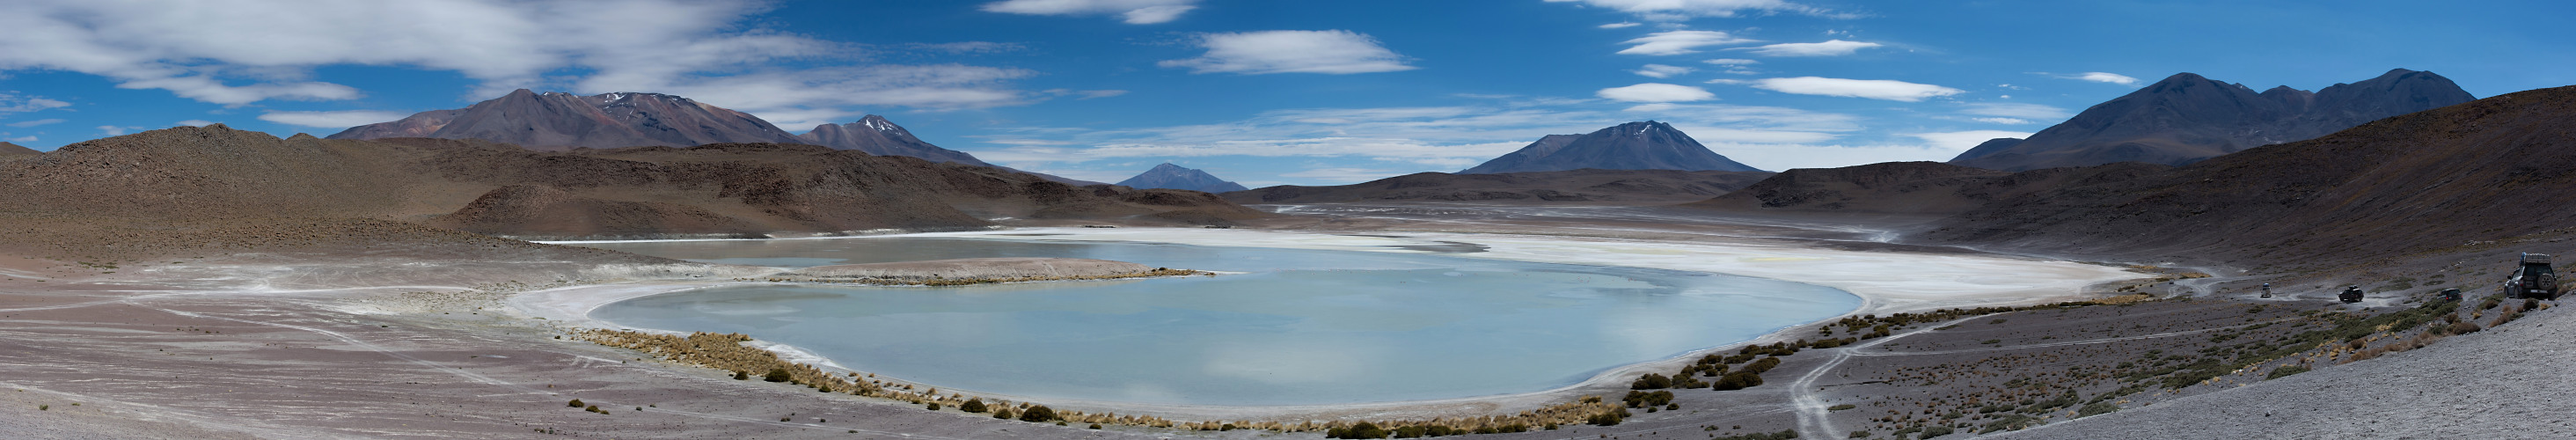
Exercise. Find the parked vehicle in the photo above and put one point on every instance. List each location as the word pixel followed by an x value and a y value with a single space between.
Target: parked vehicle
pixel 2350 294
pixel 2533 280
pixel 2450 294
pixel 2267 290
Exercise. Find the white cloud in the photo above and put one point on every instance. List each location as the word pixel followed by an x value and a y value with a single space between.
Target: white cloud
pixel 1855 88
pixel 1656 92
pixel 332 119
pixel 111 130
pixel 1084 94
pixel 1679 42
pixel 1624 24
pixel 24 124
pixel 1678 10
pixel 1827 48
pixel 1661 71
pixel 20 139
pixel 2105 77
pixel 701 49
pixel 1960 141
pixel 12 102
pixel 196 123
pixel 1131 11
pixel 1261 52
pixel 2014 121
pixel 2015 110
pixel 1731 62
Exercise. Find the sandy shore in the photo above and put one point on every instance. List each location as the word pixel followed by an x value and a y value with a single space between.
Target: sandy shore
pixel 1887 282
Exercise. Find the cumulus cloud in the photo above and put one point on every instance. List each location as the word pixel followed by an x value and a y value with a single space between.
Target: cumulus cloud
pixel 1262 52
pixel 332 119
pixel 1827 48
pixel 1855 88
pixel 1131 11
pixel 25 124
pixel 21 139
pixel 1661 71
pixel 700 49
pixel 1678 10
pixel 1623 24
pixel 2105 77
pixel 1656 92
pixel 1680 42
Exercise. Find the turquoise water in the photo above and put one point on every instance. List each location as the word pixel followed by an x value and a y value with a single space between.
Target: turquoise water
pixel 1302 327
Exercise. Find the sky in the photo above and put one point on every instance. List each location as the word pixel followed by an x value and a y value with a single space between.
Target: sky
pixel 1312 92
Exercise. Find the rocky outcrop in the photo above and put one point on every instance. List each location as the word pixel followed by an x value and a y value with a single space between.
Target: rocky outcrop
pixel 1647 145
pixel 2186 118
pixel 9 150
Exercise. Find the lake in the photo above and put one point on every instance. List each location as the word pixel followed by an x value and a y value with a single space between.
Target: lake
pixel 1297 327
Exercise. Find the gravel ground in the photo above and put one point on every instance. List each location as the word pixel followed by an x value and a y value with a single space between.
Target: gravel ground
pixel 2505 382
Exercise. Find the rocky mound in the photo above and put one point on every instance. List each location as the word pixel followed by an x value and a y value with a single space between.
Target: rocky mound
pixel 970 268
pixel 1647 145
pixel 1573 186
pixel 9 150
pixel 2484 170
pixel 2187 118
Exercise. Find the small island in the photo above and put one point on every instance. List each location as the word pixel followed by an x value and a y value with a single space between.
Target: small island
pixel 964 271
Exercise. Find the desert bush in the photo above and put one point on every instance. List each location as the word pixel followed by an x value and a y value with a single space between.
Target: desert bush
pixel 1782 435
pixel 1936 431
pixel 2463 327
pixel 2284 372
pixel 1651 381
pixel 1639 399
pixel 972 405
pixel 1038 413
pixel 1360 430
pixel 741 376
pixel 1004 413
pixel 934 406
pixel 1841 407
pixel 1760 366
pixel 1737 381
pixel 576 403
pixel 777 375
pixel 2095 409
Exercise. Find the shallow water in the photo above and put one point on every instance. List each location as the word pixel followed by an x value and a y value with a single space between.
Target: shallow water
pixel 1302 327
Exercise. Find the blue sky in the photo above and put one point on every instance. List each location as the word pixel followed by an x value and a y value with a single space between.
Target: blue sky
pixel 1260 92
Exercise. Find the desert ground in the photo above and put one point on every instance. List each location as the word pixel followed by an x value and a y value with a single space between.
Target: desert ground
pixel 457 343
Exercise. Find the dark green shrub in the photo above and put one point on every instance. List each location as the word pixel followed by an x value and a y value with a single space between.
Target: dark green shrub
pixel 1841 407
pixel 576 403
pixel 1651 381
pixel 975 405
pixel 1095 426
pixel 1361 430
pixel 2463 327
pixel 1737 381
pixel 777 375
pixel 2095 409
pixel 741 376
pixel 934 406
pixel 1936 431
pixel 1004 414
pixel 1038 413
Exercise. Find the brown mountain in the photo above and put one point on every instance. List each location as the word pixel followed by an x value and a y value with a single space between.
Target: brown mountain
pixel 562 121
pixel 876 135
pixel 190 173
pixel 1586 185
pixel 2490 169
pixel 9 149
pixel 1647 145
pixel 2187 118
pixel 1902 190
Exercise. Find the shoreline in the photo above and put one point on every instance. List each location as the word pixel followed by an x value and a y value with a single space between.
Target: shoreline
pixel 1969 281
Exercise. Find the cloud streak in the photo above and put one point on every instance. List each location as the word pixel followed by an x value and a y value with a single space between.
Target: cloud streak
pixel 1827 48
pixel 1855 88
pixel 1129 11
pixel 1267 52
pixel 1680 42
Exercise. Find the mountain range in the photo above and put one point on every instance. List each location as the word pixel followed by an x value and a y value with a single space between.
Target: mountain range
pixel 1171 176
pixel 1646 145
pixel 2187 118
pixel 722 189
pixel 1571 186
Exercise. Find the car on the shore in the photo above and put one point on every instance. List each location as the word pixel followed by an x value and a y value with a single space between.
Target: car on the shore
pixel 2350 294
pixel 2533 280
pixel 2450 294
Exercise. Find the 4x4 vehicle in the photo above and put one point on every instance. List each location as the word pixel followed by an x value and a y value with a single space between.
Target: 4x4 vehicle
pixel 2450 294
pixel 2533 280
pixel 2350 294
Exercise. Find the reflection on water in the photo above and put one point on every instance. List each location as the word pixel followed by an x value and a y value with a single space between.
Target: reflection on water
pixel 1303 327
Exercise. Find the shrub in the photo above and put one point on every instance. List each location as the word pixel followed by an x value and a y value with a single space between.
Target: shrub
pixel 1841 407
pixel 1004 414
pixel 2285 371
pixel 1936 431
pixel 1038 413
pixel 1737 381
pixel 934 406
pixel 776 375
pixel 2095 409
pixel 1095 426
pixel 1757 367
pixel 2463 327
pixel 576 403
pixel 1361 430
pixel 740 376
pixel 975 405
pixel 1651 381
